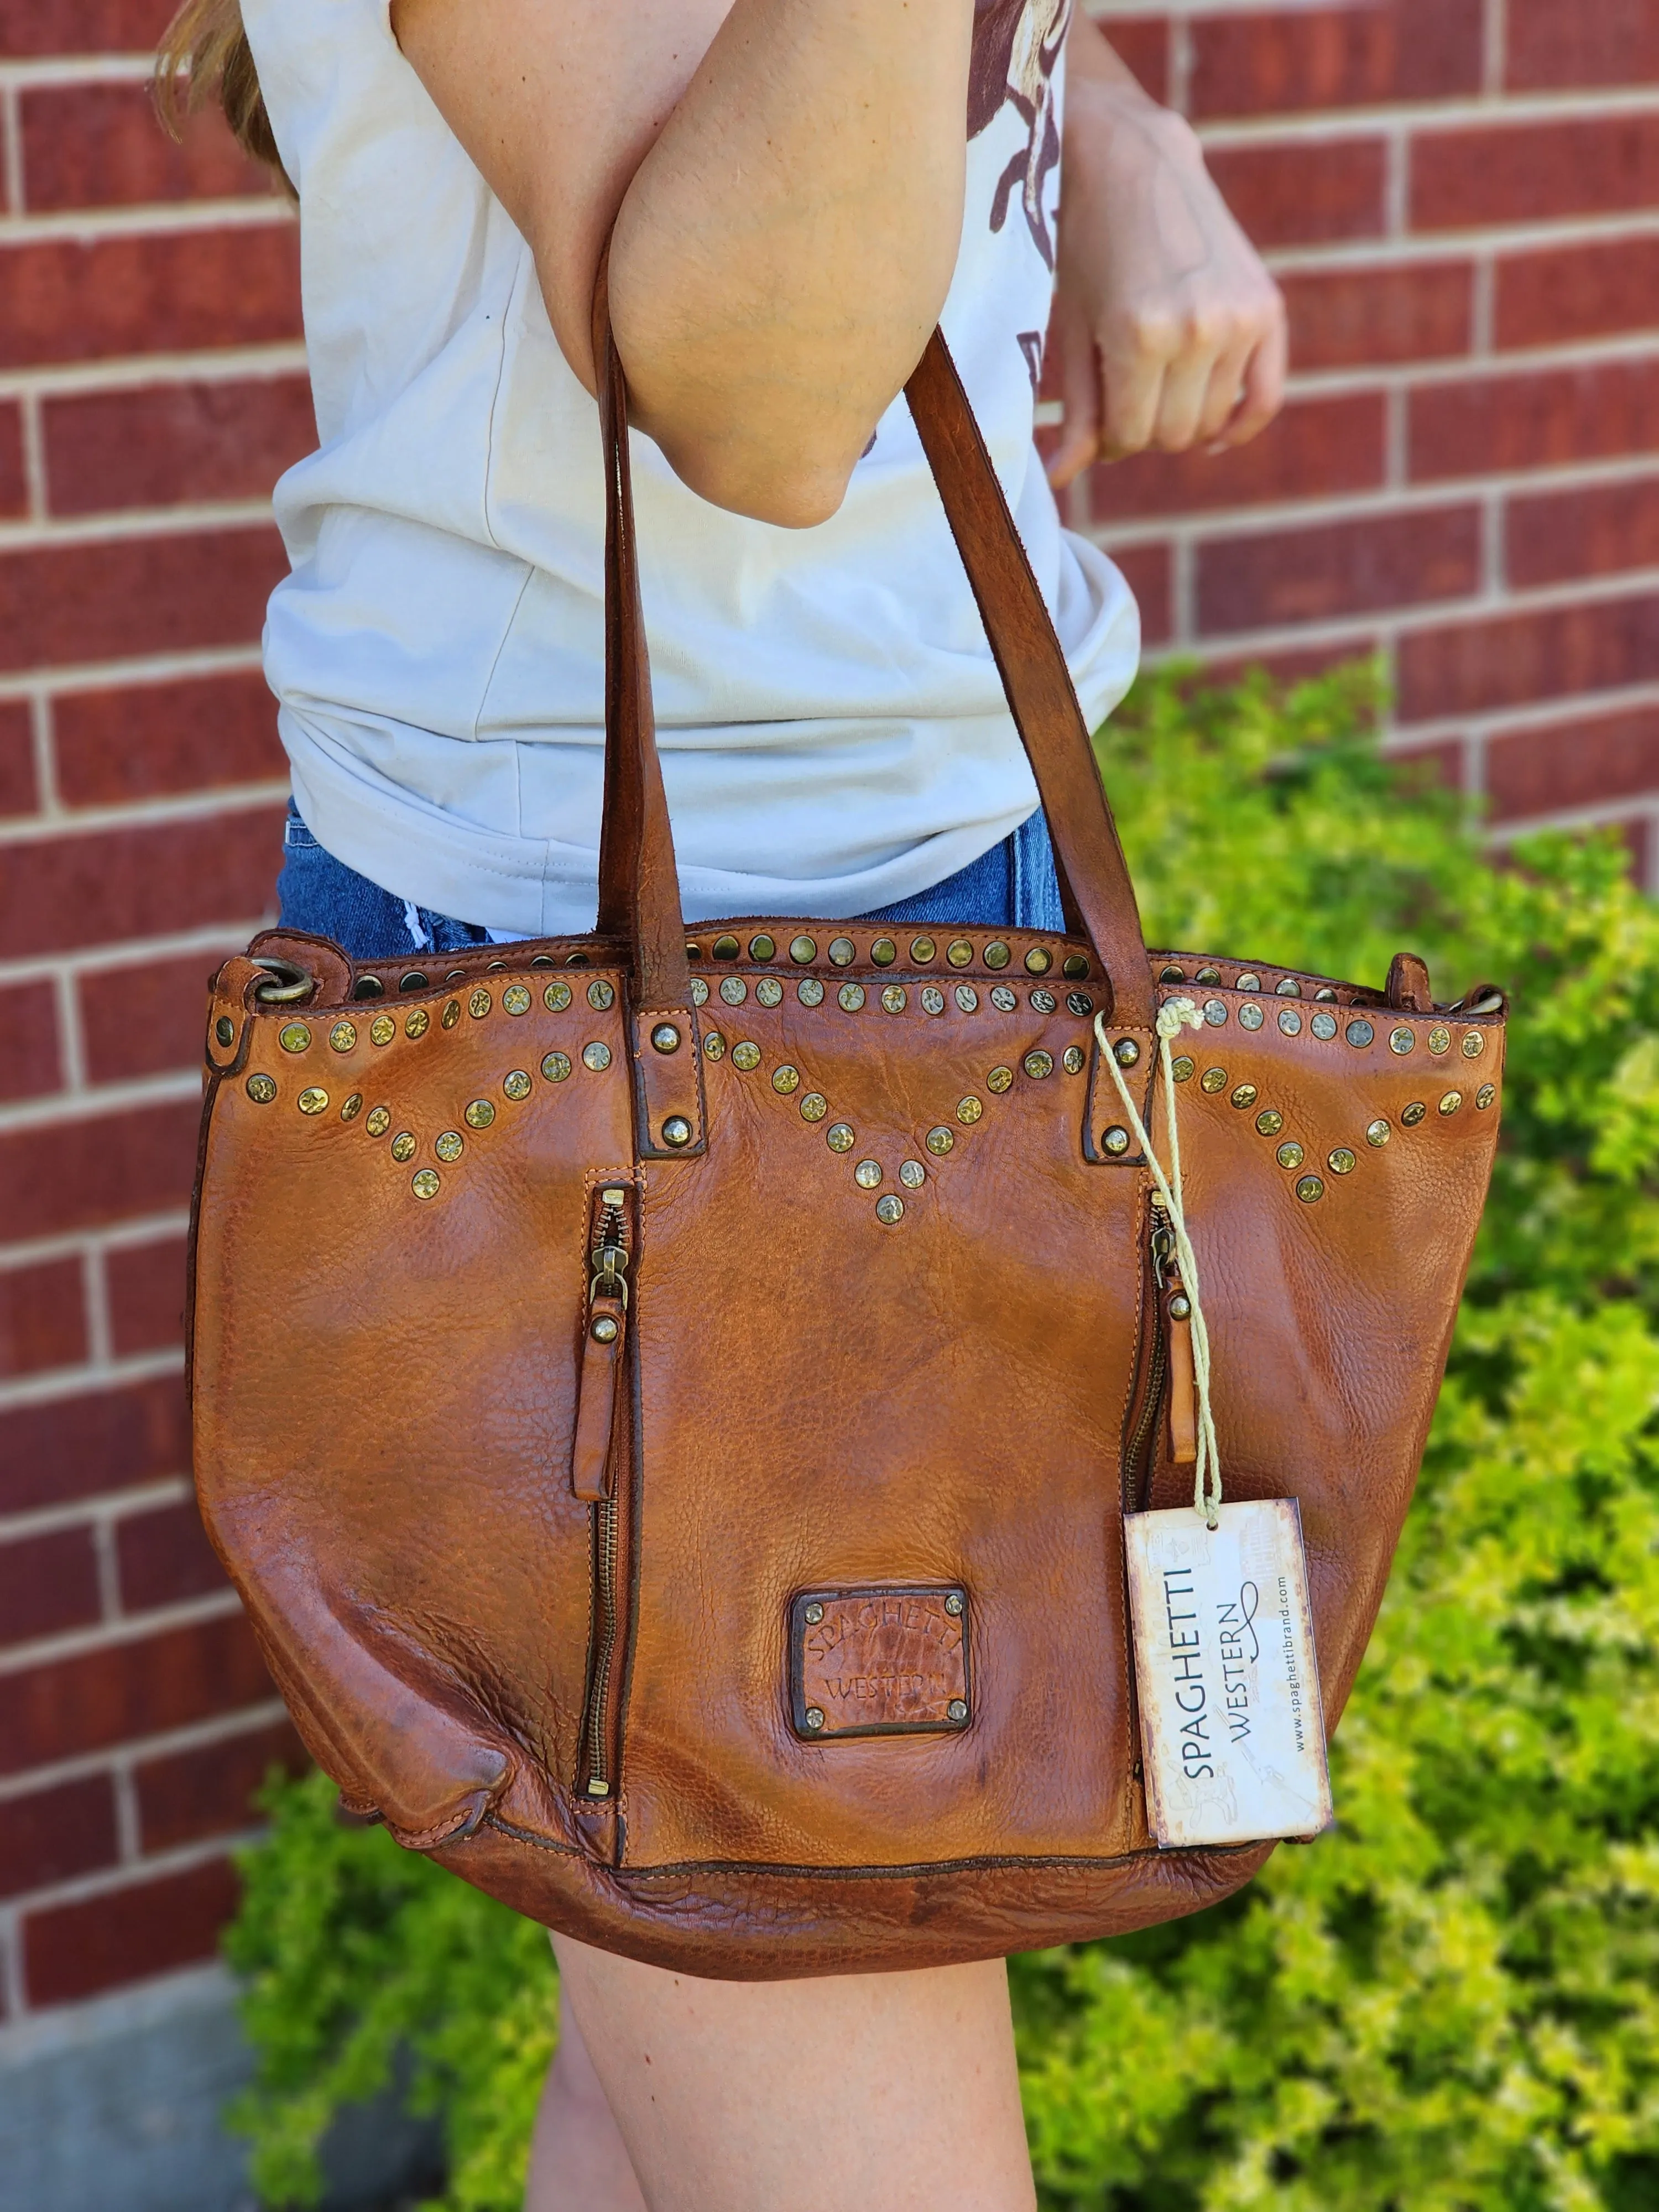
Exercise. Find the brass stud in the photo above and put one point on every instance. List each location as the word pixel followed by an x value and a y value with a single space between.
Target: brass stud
pixel 1311 1189
pixel 1214 1079
pixel 1116 1142
pixel 417 1022
pixel 424 1183
pixel 1181 1068
pixel 1245 1096
pixel 382 1030
pixel 556 997
pixel 342 1037
pixel 746 1056
pixel 867 1173
pixel 1439 1038
pixel 515 999
pixel 726 948
pixel 1323 1027
pixel 842 951
pixel 1003 999
pixel 814 1717
pixel 1126 1052
pixel 968 1110
pixel 1074 967
pixel 379 1121
pixel 224 1030
pixel 1037 962
pixel 601 995
pixel 369 986
pixel 912 1174
pixel 1485 1094
pixel 666 1037
pixel 311 1100
pixel 883 953
pixel 1000 1080
pixel 813 1614
pixel 596 1057
pixel 677 1132
pixel 516 1083
pixel 839 1137
pixel 404 1144
pixel 803 949
pixel 545 959
pixel 1378 1133
pixel 850 997
pixel 809 991
pixel 1211 974
pixel 699 990
pixel 713 1046
pixel 1288 987
pixel 1250 1016
pixel 1038 1064
pixel 814 1106
pixel 957 1711
pixel 456 976
pixel 479 1002
pixel 954 1604
pixel 762 947
pixel 1341 1161
pixel 1073 1060
pixel 478 1113
pixel 450 1144
pixel 890 1210
pixel 966 999
pixel 294 1037
pixel 785 1079
pixel 1401 1039
pixel 1290 1021
pixel 556 1066
pixel 605 1329
pixel 1452 1102
pixel 894 999
pixel 769 991
pixel 692 952
pixel 1474 1044
pixel 1171 974
pixel 1360 1034
pixel 451 1012
pixel 932 999
pixel 1078 1002
pixel 1215 1012
pixel 997 954
pixel 959 952
pixel 415 979
pixel 1180 1307
pixel 353 1107
pixel 1249 980
pixel 939 1141
pixel 1270 1121
pixel 261 1089
pixel 922 949
pixel 1412 1114
pixel 1291 1154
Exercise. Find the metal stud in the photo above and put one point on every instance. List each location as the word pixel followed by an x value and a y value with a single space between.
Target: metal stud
pixel 1249 981
pixel 713 1046
pixel 415 980
pixel 883 953
pixel 1270 1121
pixel 606 1329
pixel 596 1056
pixel 456 976
pixel 1326 992
pixel 310 1100
pixel 1452 1102
pixel 224 1031
pixel 1311 1189
pixel 1038 1064
pixel 814 1106
pixel 1485 1094
pixel 417 1022
pixel 1207 975
pixel 769 991
pixel 369 986
pixel 1245 1096
pixel 677 1132
pixel 890 1210
pixel 1214 1079
pixel 1000 1080
pixel 867 1173
pixel 812 1614
pixel 1378 1133
pixel 803 949
pixel 1250 1016
pixel 997 954
pixel 955 1603
pixel 939 1141
pixel 261 1089
pixel 850 997
pixel 1341 1161
pixel 839 1137
pixel 404 1144
pixel 450 1146
pixel 762 947
pixel 922 949
pixel 959 952
pixel 1079 1003
pixel 1412 1114
pixel 842 951
pixel 912 1174
pixel 894 999
pixel 969 1110
pixel 1360 1034
pixel 1003 999
pixel 556 1066
pixel 957 1711
pixel 814 1717
pixel 424 1183
pixel 1074 967
pixel 379 1121
pixel 1288 987
pixel 556 997
pixel 785 1079
pixel 1126 1052
pixel 1401 1039
pixel 1474 1044
pixel 1215 1012
pixel 932 999
pixel 516 1083
pixel 1116 1141
pixel 478 1113
pixel 1323 1026
pixel 1290 1155
pixel 1037 962
pixel 353 1107
pixel 1073 1060
pixel 1180 1307
pixel 382 1030
pixel 733 990
pixel 666 1037
pixel 966 999
pixel 342 1037
pixel 1439 1038
pixel 1290 1021
pixel 294 1037
pixel 726 948
pixel 1170 974
pixel 478 1003
pixel 809 991
pixel 746 1056
pixel 1181 1068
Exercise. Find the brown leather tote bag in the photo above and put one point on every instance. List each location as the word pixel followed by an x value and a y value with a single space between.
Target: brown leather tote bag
pixel 669 1400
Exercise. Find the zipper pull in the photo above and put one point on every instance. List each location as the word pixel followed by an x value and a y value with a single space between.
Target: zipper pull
pixel 603 1336
pixel 1183 1375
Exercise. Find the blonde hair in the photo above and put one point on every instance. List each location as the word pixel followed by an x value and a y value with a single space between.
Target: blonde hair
pixel 203 52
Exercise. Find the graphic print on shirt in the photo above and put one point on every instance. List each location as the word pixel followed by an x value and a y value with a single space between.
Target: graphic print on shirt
pixel 1016 44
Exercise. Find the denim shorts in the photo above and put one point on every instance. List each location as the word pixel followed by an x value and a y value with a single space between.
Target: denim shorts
pixel 1013 886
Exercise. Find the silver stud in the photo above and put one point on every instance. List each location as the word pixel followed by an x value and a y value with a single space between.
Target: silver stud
pixel 1323 1026
pixel 515 999
pixel 842 951
pixel 556 997
pixel 1214 1079
pixel 966 999
pixel 894 999
pixel 912 1174
pixel 1401 1039
pixel 1038 962
pixel 932 999
pixel 814 1106
pixel 353 1107
pixel 424 1183
pixel 1326 992
pixel 479 1113
pixel 969 1110
pixel 605 1329
pixel 261 1089
pixel 403 1145
pixel 1181 1068
pixel 1072 1060
pixel 1116 1141
pixel 1341 1161
pixel 1078 1002
pixel 733 990
pixel 1452 1102
pixel 1215 1012
pixel 677 1131
pixel 850 997
pixel 809 991
pixel 954 1604
pixel 1439 1038
pixel 1181 1307
pixel 1270 1121
pixel 311 1100
pixel 867 1173
pixel 1360 1034
pixel 1038 1064
pixel 1290 1021
pixel 666 1037
pixel 1126 1052
pixel 746 1056
pixel 1249 981
pixel 1206 976
pixel 1412 1114
pixel 516 1083
pixel 769 991
pixel 596 1056
pixel 957 1711
pixel 813 1614
pixel 294 1037
pixel 450 1144
pixel 1378 1133
pixel 890 1210
pixel 1288 987
pixel 713 1046
pixel 762 947
pixel 1311 1189
pixel 940 1140
pixel 1245 1096
pixel 997 954
pixel 839 1137
pixel 1290 1155
pixel 1485 1094
pixel 1000 1080
pixel 814 1717
pixel 1003 999
pixel 1474 1044
pixel 785 1079
pixel 1250 1017
pixel 1170 974
pixel 342 1037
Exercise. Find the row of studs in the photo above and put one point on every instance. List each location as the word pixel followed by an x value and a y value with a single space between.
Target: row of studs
pixel 1359 1032
pixel 1286 988
pixel 883 953
pixel 297 1037
pixel 893 998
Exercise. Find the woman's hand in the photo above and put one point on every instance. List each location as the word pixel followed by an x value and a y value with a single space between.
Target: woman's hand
pixel 1167 330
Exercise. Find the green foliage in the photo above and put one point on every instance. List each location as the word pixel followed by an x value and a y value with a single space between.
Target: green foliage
pixel 1450 2003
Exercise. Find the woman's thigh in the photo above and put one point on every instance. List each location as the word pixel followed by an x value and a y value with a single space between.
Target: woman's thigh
pixel 896 2090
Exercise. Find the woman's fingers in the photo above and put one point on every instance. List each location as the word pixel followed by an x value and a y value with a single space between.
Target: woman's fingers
pixel 1080 396
pixel 1263 385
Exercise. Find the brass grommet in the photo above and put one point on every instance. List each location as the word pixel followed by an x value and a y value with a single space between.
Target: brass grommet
pixel 414 979
pixel 726 948
pixel 1249 980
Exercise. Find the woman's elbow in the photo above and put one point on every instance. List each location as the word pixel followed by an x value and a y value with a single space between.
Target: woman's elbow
pixel 792 490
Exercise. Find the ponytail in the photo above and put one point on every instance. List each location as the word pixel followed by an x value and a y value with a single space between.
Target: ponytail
pixel 203 51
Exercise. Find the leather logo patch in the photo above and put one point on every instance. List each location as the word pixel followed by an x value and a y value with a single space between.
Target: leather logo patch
pixel 883 1662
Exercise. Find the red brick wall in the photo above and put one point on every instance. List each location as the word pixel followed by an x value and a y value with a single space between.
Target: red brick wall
pixel 1462 199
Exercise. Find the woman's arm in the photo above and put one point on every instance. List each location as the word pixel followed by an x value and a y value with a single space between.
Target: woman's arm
pixel 1168 331
pixel 785 181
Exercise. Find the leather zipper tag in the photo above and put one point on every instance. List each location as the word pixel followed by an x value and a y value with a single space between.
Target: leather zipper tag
pixel 596 1399
pixel 1231 1724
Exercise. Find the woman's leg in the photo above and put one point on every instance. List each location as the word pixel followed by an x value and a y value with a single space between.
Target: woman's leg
pixel 578 2160
pixel 891 2089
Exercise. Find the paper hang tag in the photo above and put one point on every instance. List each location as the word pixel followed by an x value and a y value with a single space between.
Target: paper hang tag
pixel 1230 1720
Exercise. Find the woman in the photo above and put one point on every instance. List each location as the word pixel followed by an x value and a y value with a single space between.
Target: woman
pixel 791 201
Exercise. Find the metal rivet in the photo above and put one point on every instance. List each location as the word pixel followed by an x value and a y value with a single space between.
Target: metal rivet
pixel 762 947
pixel 294 1037
pixel 1245 1095
pixel 940 1140
pixel 1000 1080
pixel 894 997
pixel 261 1089
pixel 605 1329
pixel 814 1106
pixel 451 1012
pixel 1290 1021
pixel 955 1603
pixel 1073 1060
pixel 478 1113
pixel 1074 967
pixel 1290 1155
pixel 959 953
pixel 746 1056
pixel 912 1174
pixel 369 986
pixel 415 1023
pixel 677 1131
pixel 922 949
pixel 1170 974
pixel 415 979
pixel 450 1146
pixel 224 1030
pixel 850 997
pixel 883 953
pixel 1214 1079
pixel 1038 1064
pixel 1126 1052
pixel 1310 1190
pixel 1206 976
pixel 1288 987
pixel 1401 1039
pixel 733 990
pixel 726 948
pixel 1485 1094
pixel 424 1183
pixel 516 1083
pixel 867 1173
pixel 842 951
pixel 1378 1132
pixel 1452 1102
pixel 890 1210
pixel 379 1121
pixel 803 949
pixel 665 1037
pixel 515 999
pixel 969 1110
pixel 478 1003
pixel 957 1710
pixel 1215 1012
pixel 1439 1038
pixel 556 997
pixel 311 1100
pixel 1181 1307
pixel 997 954
pixel 1341 1161
pixel 839 1137
pixel 966 999
pixel 812 1614
pixel 596 1056
pixel 713 1046
pixel 1249 980
pixel 1474 1044
pixel 545 959
pixel 1412 1114
pixel 1078 1002
pixel 1270 1121
pixel 932 999
pixel 556 1067
pixel 1003 999
pixel 1326 992
pixel 404 1144
pixel 809 991
pixel 1037 962
pixel 613 1194
pixel 353 1107
pixel 1360 1034
pixel 785 1079
pixel 1323 1026
pixel 1116 1141
pixel 456 976
pixel 1250 1016
pixel 769 991
pixel 1181 1068
pixel 814 1717
pixel 382 1030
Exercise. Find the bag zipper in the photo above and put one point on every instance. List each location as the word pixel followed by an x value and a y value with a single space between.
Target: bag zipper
pixel 595 1460
pixel 1161 1257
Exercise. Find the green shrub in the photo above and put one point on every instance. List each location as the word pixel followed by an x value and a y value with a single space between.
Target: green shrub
pixel 1451 2002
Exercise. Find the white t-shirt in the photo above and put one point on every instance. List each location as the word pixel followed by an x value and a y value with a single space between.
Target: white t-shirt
pixel 833 732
